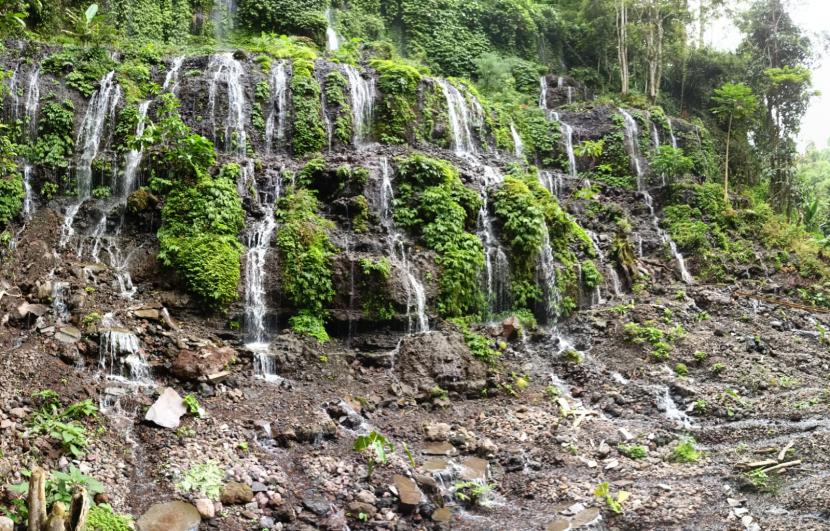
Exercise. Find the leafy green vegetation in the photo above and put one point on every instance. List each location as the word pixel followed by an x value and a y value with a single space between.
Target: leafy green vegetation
pixel 435 206
pixel 686 451
pixel 103 518
pixel 305 261
pixel 376 447
pixel 205 479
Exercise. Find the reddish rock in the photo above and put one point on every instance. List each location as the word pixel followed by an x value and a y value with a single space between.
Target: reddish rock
pixel 190 365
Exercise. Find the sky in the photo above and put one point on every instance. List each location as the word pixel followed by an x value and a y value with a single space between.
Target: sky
pixel 812 16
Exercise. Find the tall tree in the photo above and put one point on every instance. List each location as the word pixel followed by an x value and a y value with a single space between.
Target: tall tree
pixel 622 44
pixel 734 104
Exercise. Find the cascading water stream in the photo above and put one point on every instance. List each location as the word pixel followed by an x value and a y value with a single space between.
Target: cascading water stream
pixel 518 145
pixel 632 146
pixel 227 70
pixel 332 38
pixel 277 105
pixel 102 104
pixel 362 93
pixel 32 101
pixel 565 128
pixel 551 181
pixel 547 273
pixel 28 204
pixel 258 240
pixel 171 79
pixel 611 275
pixel 135 155
pixel 459 118
pixel 415 293
pixel 497 267
pixel 671 133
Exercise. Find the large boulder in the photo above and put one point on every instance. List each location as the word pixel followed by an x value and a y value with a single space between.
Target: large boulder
pixel 440 359
pixel 167 410
pixel 170 516
pixel 190 365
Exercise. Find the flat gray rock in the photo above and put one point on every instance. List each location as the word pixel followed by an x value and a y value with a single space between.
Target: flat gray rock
pixel 167 410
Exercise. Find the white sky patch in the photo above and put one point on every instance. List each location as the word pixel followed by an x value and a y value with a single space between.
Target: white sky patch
pixel 812 16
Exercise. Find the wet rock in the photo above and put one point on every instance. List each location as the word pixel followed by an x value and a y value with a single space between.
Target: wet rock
pixel 442 515
pixel 558 525
pixel 205 507
pixel 151 314
pixel 316 503
pixel 236 493
pixel 170 516
pixel 442 448
pixel 356 508
pixel 437 359
pixel 190 365
pixel 26 309
pixel 68 334
pixel 408 492
pixel 167 410
pixel 438 431
pixel 474 468
pixel 510 328
pixel 585 517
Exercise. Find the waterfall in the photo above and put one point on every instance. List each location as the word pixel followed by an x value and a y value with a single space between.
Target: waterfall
pixel 459 118
pixel 120 357
pixel 551 181
pixel 543 94
pixel 277 106
pixel 632 146
pixel 608 267
pixel 655 137
pixel 671 133
pixel 102 104
pixel 568 136
pixel 133 160
pixel 222 16
pixel 362 99
pixel 171 79
pixel 570 92
pixel 332 38
pixel 13 94
pixel 518 145
pixel 547 271
pixel 666 403
pixel 497 268
pixel 32 101
pixel 28 203
pixel 258 240
pixel 229 71
pixel 415 294
pixel 60 290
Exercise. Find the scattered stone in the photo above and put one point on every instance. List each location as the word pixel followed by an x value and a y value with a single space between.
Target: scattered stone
pixel 316 503
pixel 151 314
pixel 474 468
pixel 586 517
pixel 205 507
pixel 366 497
pixel 510 327
pixel 236 493
pixel 26 309
pixel 68 334
pixel 170 516
pixel 190 365
pixel 438 431
pixel 558 525
pixel 443 448
pixel 356 508
pixel 167 410
pixel 408 492
pixel 442 515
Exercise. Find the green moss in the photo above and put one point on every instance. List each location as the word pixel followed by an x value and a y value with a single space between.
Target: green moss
pixel 198 238
pixel 102 517
pixel 374 278
pixel 396 113
pixel 55 144
pixel 434 205
pixel 309 134
pixel 591 277
pixel 338 104
pixel 305 255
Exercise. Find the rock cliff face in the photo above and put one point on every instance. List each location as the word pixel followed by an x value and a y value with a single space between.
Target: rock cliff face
pixel 364 215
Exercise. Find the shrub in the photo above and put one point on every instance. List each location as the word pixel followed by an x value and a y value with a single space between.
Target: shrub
pixel 398 84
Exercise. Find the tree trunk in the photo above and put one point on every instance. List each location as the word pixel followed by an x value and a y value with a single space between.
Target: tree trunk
pixel 726 165
pixel 622 45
